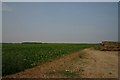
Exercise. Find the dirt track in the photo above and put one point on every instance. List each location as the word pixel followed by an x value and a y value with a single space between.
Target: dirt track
pixel 92 64
pixel 101 64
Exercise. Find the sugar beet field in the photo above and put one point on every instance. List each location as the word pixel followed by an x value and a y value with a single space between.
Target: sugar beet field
pixel 18 57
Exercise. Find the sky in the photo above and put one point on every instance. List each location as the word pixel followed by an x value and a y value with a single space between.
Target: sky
pixel 60 0
pixel 0 23
pixel 73 22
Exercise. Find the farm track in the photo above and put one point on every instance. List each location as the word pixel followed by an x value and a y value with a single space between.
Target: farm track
pixel 93 64
pixel 100 64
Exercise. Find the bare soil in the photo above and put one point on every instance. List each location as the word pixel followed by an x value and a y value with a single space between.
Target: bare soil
pixel 88 63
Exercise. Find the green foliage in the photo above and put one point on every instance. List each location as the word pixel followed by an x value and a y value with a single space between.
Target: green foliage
pixel 97 47
pixel 17 57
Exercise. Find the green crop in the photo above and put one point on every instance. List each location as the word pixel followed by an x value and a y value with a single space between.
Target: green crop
pixel 17 57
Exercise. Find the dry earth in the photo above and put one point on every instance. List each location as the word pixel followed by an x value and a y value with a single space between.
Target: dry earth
pixel 88 63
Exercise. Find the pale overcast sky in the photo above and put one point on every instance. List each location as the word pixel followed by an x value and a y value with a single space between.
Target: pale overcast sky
pixel 59 0
pixel 59 22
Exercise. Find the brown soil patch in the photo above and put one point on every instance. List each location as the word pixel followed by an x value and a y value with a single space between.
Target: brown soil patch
pixel 92 64
pixel 100 64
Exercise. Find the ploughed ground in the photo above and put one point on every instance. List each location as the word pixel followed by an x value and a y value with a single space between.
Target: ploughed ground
pixel 88 63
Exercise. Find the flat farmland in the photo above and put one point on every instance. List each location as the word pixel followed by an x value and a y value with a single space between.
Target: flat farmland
pixel 18 57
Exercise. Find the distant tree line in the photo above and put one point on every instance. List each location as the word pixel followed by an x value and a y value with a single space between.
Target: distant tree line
pixel 31 43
